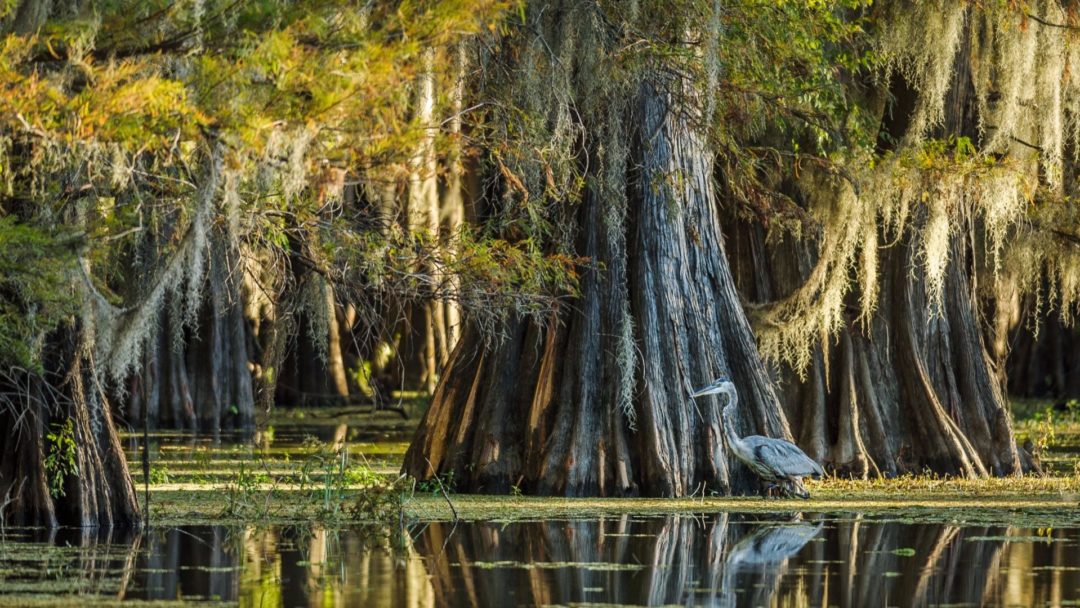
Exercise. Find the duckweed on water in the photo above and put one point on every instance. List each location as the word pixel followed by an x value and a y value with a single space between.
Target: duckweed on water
pixel 179 506
pixel 589 566
pixel 1016 539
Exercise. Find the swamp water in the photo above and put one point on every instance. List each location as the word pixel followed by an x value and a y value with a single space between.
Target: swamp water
pixel 718 559
pixel 783 558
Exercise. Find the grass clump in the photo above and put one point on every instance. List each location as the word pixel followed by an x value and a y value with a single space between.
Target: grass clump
pixel 321 485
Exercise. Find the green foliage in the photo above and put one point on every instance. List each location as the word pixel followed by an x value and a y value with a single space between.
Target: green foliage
pixel 245 497
pixel 785 63
pixel 325 476
pixel 382 501
pixel 954 154
pixel 437 483
pixel 149 127
pixel 159 474
pixel 34 294
pixel 1046 424
pixel 1044 431
pixel 116 119
pixel 361 475
pixel 488 276
pixel 60 457
pixel 775 81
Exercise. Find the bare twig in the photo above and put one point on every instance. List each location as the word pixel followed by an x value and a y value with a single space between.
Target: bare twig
pixel 1063 26
pixel 446 495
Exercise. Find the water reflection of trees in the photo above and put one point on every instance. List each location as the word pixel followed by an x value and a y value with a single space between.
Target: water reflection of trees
pixel 84 562
pixel 194 561
pixel 721 560
pixel 714 560
pixel 312 566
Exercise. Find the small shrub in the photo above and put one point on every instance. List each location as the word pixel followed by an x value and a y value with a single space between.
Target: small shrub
pixel 244 492
pixel 382 501
pixel 159 475
pixel 60 461
pixel 431 486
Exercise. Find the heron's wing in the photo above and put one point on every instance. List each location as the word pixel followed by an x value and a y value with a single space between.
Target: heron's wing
pixel 784 458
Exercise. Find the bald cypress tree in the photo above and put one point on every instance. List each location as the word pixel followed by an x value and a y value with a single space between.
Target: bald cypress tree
pixel 593 401
pixel 162 162
pixel 876 191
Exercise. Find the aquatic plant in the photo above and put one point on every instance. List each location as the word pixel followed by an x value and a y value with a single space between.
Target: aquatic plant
pixel 61 458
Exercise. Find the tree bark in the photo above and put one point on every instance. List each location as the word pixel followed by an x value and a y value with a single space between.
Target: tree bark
pixel 217 356
pixel 658 312
pixel 313 368
pixel 453 199
pixel 915 388
pixel 424 216
pixel 198 378
pixel 101 493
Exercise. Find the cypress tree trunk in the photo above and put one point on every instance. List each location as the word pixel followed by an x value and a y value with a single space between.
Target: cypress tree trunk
pixel 313 370
pixel 907 393
pixel 1042 362
pixel 453 198
pixel 92 485
pixel 657 313
pixel 917 388
pixel 689 319
pixel 423 216
pixel 217 355
pixel 198 378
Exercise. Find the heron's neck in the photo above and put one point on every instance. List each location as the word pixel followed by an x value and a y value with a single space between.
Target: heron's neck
pixel 727 416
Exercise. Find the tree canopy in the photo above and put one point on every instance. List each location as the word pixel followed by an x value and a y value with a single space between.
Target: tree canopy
pixel 400 174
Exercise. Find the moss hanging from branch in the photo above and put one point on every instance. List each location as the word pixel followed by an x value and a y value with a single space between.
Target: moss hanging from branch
pixel 1028 120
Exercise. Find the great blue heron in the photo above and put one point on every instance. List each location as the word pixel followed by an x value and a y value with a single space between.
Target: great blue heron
pixel 779 462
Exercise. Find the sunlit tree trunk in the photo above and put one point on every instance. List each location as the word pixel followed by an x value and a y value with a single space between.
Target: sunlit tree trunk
pixel 335 359
pixel 453 201
pixel 595 402
pixel 424 216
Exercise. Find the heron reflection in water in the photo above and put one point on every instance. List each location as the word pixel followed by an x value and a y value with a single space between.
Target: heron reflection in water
pixel 764 552
pixel 771 544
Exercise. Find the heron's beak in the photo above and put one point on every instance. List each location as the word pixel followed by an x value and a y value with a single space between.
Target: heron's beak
pixel 708 390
